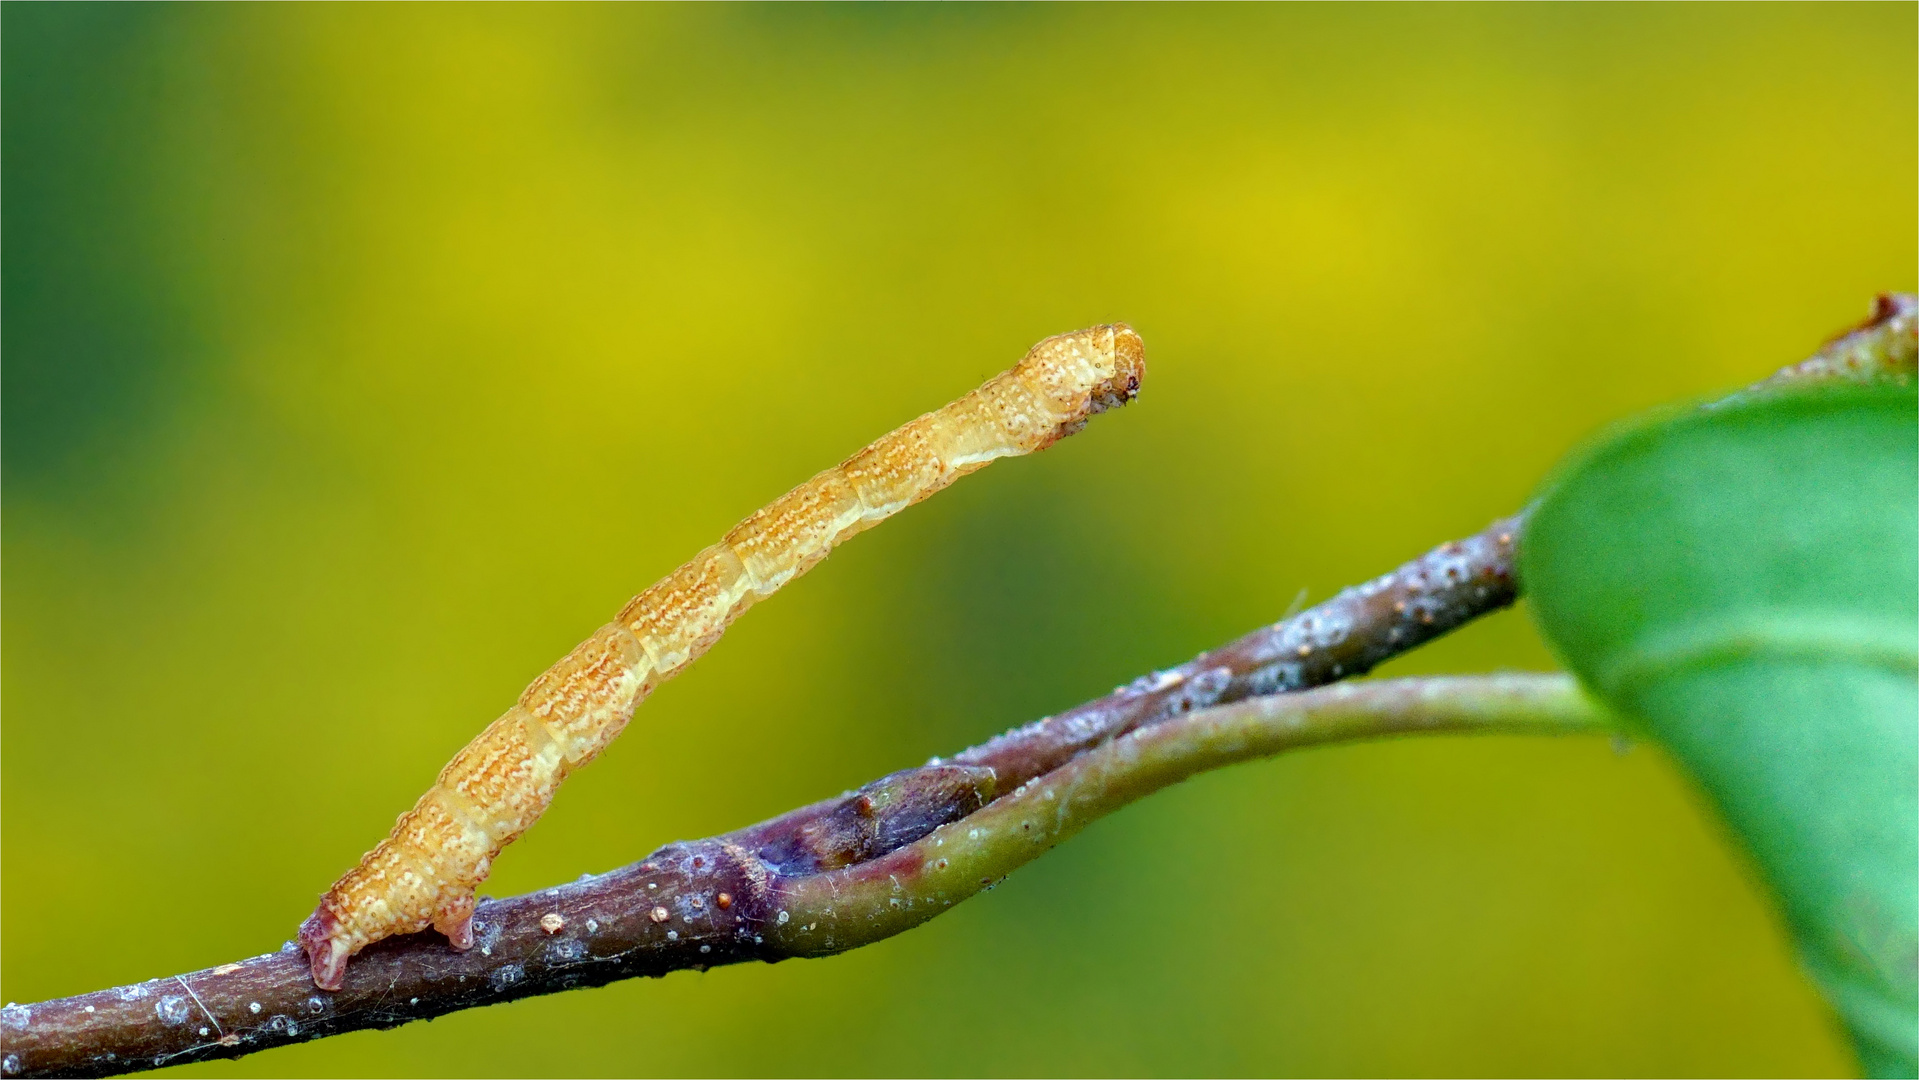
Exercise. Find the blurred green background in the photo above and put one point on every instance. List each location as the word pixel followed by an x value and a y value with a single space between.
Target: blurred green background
pixel 360 360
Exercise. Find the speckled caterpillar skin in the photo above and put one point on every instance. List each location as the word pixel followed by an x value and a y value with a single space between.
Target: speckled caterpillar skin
pixel 424 873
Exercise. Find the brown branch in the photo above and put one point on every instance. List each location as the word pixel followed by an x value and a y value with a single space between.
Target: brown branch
pixel 733 898
pixel 700 903
pixel 709 902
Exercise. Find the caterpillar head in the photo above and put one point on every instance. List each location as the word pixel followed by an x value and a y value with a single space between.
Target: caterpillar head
pixel 1085 372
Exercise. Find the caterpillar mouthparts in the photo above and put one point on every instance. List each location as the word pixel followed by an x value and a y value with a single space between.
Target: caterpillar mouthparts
pixel 425 872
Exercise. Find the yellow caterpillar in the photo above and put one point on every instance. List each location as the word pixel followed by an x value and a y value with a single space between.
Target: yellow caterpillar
pixel 425 872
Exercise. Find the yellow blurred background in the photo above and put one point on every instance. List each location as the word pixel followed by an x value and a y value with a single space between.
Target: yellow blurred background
pixel 359 360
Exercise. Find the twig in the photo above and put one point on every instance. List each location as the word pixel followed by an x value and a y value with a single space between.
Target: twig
pixel 709 902
pixel 846 872
pixel 1881 349
pixel 844 909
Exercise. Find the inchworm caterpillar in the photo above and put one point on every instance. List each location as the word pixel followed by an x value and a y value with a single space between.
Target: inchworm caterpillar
pixel 425 872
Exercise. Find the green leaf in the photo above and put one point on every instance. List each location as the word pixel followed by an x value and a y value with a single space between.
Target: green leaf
pixel 1742 582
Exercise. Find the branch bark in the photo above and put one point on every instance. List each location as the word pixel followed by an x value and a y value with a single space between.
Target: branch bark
pixel 702 903
pixel 721 900
pixel 846 872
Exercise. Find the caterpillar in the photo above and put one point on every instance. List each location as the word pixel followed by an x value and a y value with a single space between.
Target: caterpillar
pixel 425 872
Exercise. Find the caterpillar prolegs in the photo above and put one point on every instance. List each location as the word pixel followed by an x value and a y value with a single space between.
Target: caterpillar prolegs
pixel 425 872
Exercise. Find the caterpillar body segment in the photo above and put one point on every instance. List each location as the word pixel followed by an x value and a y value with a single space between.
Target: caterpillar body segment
pixel 425 872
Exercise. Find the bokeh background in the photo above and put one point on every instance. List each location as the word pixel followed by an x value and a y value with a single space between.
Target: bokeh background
pixel 358 360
